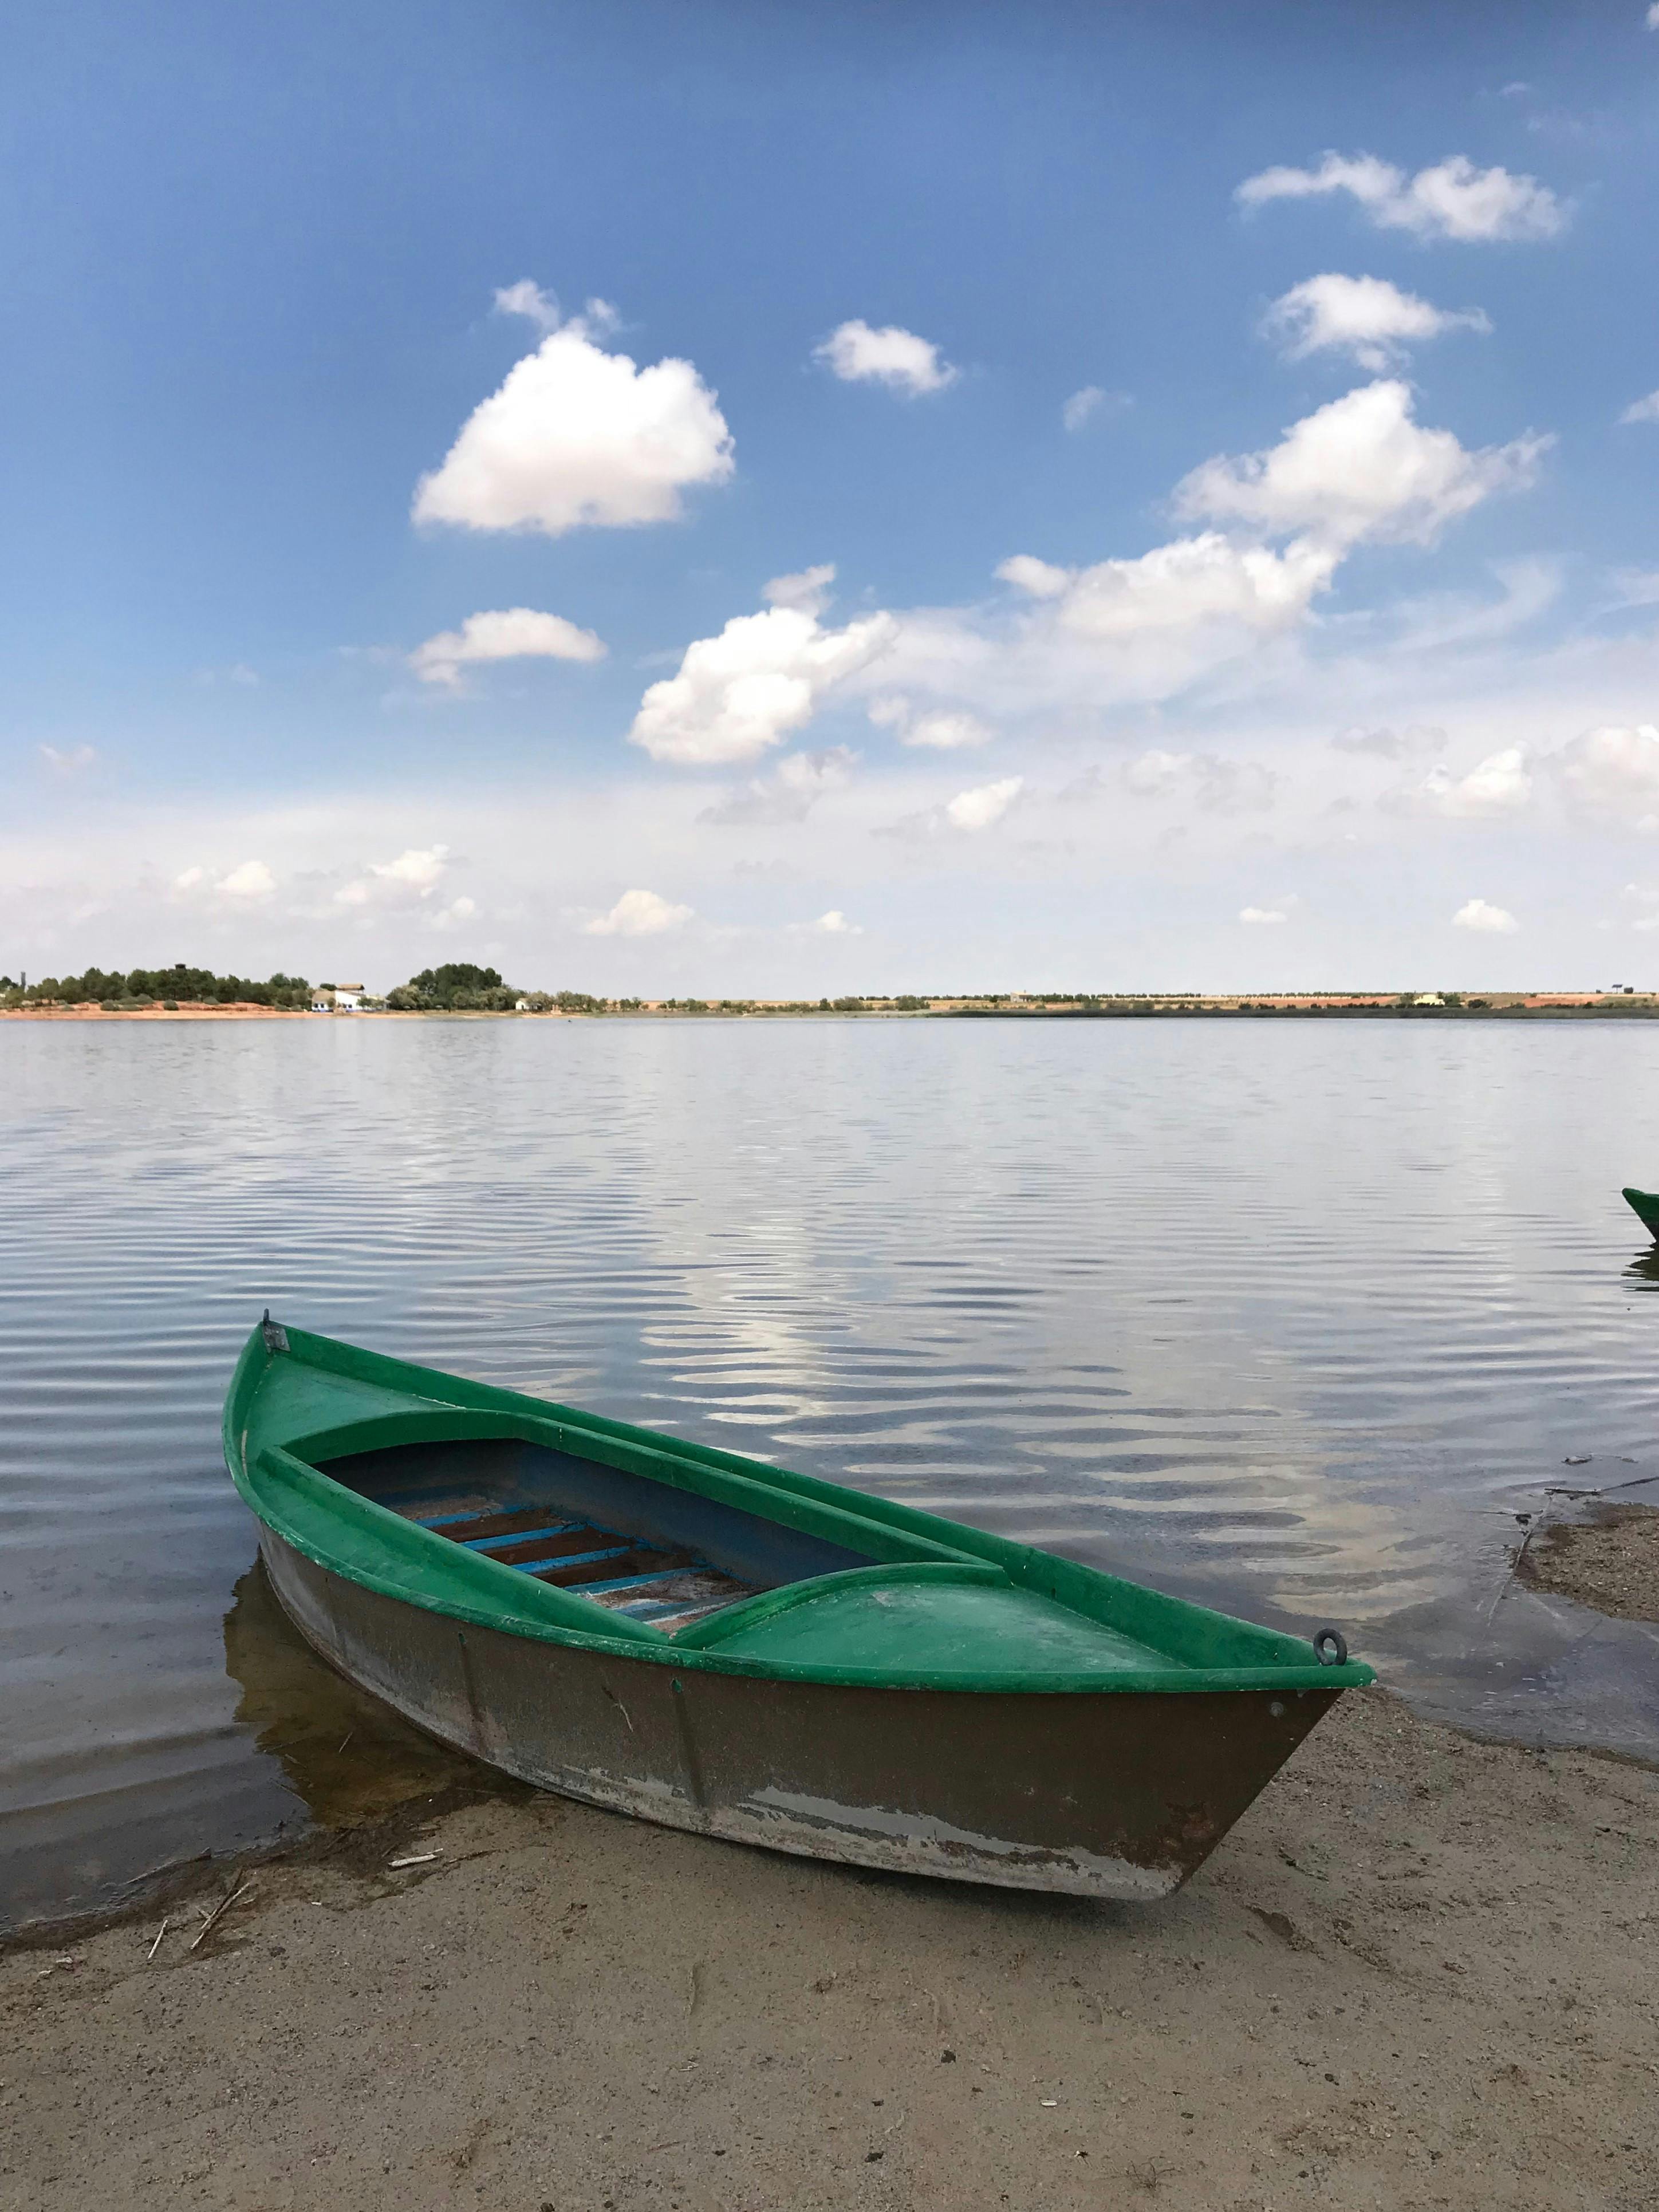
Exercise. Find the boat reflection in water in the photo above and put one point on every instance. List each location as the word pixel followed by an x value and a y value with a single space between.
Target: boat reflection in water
pixel 343 1754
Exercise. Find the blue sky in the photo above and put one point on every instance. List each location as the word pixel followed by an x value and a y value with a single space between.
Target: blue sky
pixel 1318 650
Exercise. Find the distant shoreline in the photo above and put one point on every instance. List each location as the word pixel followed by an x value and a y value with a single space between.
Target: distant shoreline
pixel 1495 1007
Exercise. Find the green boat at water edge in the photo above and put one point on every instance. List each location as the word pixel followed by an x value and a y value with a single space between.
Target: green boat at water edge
pixel 703 1640
pixel 1645 1205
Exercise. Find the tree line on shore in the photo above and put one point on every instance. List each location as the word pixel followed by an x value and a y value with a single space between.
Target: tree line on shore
pixel 125 990
pixel 460 986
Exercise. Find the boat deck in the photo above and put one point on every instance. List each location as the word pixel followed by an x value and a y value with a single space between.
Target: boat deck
pixel 668 1587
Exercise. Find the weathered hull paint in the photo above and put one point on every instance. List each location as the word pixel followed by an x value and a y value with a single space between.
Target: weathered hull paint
pixel 1116 1794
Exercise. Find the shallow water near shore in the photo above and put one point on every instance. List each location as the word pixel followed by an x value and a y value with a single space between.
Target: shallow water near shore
pixel 1289 1319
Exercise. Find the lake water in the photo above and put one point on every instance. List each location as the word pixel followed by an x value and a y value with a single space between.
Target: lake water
pixel 1291 1317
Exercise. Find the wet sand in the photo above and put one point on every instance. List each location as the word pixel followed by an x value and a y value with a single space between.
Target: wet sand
pixel 1609 1559
pixel 1420 1973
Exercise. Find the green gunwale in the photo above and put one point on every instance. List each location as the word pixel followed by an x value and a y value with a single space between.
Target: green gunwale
pixel 271 1437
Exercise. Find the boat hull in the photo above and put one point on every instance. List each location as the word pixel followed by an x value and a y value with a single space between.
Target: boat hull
pixel 1645 1205
pixel 1112 1794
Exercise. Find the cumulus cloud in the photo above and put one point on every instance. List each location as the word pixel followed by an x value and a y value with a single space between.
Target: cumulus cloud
pixel 1358 468
pixel 788 794
pixel 253 880
pixel 833 923
pixel 1216 785
pixel 1653 16
pixel 527 298
pixel 1643 410
pixel 638 913
pixel 979 809
pixel 895 357
pixel 502 633
pixel 1263 917
pixel 807 591
pixel 1478 914
pixel 938 731
pixel 1453 199
pixel 415 874
pixel 738 695
pixel 455 914
pixel 1139 629
pixel 967 815
pixel 1500 785
pixel 1192 583
pixel 1612 771
pixel 1364 316
pixel 577 435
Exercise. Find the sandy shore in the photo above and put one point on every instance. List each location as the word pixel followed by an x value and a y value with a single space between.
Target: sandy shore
pixel 1609 1559
pixel 1420 1973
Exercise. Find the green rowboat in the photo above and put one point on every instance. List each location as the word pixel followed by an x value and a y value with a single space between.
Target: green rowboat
pixel 702 1640
pixel 1644 1204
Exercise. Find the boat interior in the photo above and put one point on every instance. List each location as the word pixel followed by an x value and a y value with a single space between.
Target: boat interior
pixel 630 1545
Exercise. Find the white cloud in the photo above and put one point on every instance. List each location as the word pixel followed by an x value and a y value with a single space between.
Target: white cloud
pixel 892 357
pixel 74 760
pixel 1364 316
pixel 419 867
pixel 1262 915
pixel 967 815
pixel 833 924
pixel 807 591
pixel 740 693
pixel 938 731
pixel 1476 914
pixel 1453 199
pixel 1653 16
pixel 502 633
pixel 1644 897
pixel 453 916
pixel 1643 410
pixel 1612 771
pixel 1088 401
pixel 638 913
pixel 1188 584
pixel 788 794
pixel 189 880
pixel 1499 785
pixel 1359 468
pixel 415 874
pixel 1149 627
pixel 527 298
pixel 977 809
pixel 577 435
pixel 253 880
